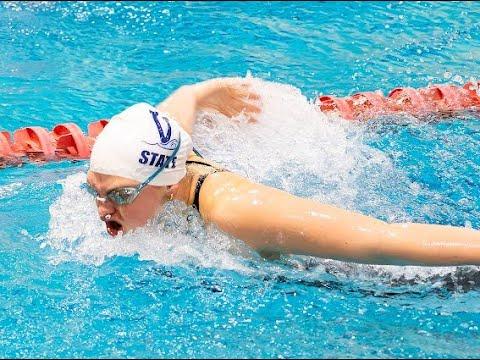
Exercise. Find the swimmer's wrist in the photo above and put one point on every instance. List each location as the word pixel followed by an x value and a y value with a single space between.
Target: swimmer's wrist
pixel 204 89
pixel 203 92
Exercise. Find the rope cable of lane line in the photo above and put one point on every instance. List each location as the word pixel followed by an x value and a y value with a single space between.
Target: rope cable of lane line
pixel 67 141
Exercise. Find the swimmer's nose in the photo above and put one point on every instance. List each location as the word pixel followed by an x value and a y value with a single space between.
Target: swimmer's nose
pixel 105 208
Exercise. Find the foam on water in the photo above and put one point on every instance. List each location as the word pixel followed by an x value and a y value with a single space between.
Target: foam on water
pixel 292 147
pixel 77 233
pixel 9 190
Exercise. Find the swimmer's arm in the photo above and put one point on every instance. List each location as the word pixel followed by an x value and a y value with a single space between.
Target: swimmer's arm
pixel 182 106
pixel 274 221
pixel 229 96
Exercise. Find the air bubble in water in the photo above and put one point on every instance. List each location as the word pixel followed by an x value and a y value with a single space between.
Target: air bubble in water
pixel 458 79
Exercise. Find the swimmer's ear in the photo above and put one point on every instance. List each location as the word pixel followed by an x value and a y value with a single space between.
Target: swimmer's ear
pixel 171 191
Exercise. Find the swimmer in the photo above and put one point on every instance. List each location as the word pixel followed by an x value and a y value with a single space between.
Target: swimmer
pixel 144 158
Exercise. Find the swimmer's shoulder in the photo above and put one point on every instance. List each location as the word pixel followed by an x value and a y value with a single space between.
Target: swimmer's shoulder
pixel 223 191
pixel 216 190
pixel 217 183
pixel 221 188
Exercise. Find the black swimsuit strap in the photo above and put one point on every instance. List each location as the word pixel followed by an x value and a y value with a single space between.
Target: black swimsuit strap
pixel 199 162
pixel 201 178
pixel 198 186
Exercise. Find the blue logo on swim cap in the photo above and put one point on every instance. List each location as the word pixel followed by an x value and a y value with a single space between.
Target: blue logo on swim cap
pixel 165 139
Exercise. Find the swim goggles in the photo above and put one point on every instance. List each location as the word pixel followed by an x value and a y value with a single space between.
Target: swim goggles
pixel 127 195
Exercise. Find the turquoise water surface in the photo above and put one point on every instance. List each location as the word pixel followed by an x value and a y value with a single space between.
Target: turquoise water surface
pixel 176 289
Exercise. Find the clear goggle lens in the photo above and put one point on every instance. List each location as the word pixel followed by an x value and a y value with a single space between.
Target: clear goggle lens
pixel 120 196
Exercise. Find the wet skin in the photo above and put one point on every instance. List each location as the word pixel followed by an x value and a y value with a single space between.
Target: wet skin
pixel 126 217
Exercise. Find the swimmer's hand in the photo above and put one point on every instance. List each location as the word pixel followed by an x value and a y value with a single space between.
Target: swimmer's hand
pixel 229 96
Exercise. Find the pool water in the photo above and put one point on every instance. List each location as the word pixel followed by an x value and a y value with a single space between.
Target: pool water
pixel 178 289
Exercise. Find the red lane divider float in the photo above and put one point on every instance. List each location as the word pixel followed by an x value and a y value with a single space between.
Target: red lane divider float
pixel 35 143
pixel 417 102
pixel 67 141
pixel 408 100
pixel 473 91
pixel 70 141
pixel 5 144
pixel 341 106
pixel 368 104
pixel 7 156
pixel 96 128
pixel 446 97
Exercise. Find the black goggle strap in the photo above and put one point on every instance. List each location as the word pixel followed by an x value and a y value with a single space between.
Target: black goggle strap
pixel 165 164
pixel 197 152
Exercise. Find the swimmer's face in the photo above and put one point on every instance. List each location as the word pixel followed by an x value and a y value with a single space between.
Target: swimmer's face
pixel 126 217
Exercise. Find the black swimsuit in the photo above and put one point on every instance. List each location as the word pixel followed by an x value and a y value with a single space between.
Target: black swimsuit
pixel 202 167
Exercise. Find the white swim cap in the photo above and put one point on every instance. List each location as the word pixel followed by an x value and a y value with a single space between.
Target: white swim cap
pixel 139 141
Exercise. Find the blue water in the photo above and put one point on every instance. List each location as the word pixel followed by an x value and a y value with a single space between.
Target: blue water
pixel 67 290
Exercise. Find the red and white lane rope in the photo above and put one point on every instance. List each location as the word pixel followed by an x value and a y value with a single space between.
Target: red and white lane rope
pixel 67 141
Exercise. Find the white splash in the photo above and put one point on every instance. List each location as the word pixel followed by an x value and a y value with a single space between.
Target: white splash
pixel 77 233
pixel 10 189
pixel 299 149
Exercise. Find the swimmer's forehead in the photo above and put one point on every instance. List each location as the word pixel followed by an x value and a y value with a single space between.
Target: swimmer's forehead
pixel 105 183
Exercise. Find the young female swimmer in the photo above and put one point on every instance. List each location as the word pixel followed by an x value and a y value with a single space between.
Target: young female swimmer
pixel 143 158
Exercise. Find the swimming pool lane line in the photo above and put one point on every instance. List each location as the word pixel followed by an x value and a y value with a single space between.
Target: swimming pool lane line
pixel 67 141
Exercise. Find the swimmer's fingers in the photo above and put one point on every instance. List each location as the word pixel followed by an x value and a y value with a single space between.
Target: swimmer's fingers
pixel 254 107
pixel 246 93
pixel 232 97
pixel 251 107
pixel 236 108
pixel 250 94
pixel 253 96
pixel 246 104
pixel 250 111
